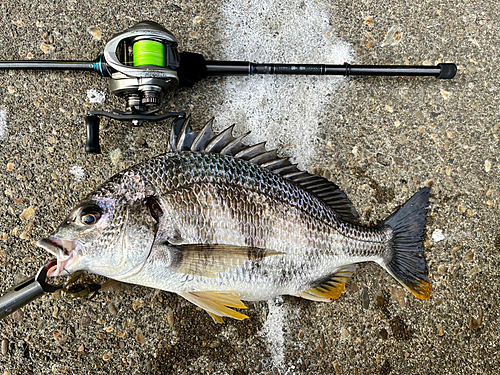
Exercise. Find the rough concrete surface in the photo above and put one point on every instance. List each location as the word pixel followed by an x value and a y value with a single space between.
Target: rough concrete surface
pixel 380 138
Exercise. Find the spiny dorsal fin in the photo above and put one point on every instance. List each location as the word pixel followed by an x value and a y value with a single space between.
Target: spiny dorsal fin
pixel 220 141
pixel 183 138
pixel 203 137
pixel 235 146
pixel 332 287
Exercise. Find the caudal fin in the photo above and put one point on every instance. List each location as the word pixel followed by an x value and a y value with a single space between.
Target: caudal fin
pixel 407 262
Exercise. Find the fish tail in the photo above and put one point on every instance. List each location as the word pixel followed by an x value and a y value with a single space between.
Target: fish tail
pixel 406 260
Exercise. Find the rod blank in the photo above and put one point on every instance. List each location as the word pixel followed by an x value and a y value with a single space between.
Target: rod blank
pixel 48 65
pixel 443 71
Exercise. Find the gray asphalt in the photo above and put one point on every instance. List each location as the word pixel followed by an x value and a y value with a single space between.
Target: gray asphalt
pixel 381 139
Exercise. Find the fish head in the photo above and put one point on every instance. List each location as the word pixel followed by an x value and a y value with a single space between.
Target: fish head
pixel 109 233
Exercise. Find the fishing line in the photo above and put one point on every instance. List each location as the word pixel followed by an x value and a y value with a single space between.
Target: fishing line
pixel 148 52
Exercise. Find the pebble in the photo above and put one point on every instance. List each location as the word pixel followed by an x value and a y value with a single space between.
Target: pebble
pixel 112 309
pixel 487 165
pixel 440 331
pixel 383 334
pixel 344 333
pixel 85 321
pixel 392 37
pixel 17 315
pixel 215 344
pixel 171 319
pixel 473 323
pixel 115 156
pixel 46 48
pixel 5 346
pixel 399 295
pixel 438 235
pixel 81 348
pixel 365 299
pixel 95 32
pixel 380 300
pixel 445 94
pixel 106 356
pixel 137 304
pixel 139 336
pixel 473 271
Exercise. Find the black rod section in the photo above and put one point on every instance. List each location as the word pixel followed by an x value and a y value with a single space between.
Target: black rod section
pixel 443 71
pixel 48 65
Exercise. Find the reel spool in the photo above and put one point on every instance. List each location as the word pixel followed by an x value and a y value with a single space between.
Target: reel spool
pixel 143 61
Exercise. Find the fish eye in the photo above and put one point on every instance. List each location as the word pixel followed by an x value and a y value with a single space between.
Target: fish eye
pixel 90 216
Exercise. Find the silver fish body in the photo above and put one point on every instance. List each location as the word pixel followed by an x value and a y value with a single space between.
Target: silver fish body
pixel 222 225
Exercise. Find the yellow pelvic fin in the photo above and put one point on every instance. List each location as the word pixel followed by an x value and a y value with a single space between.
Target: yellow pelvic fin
pixel 332 287
pixel 209 259
pixel 217 304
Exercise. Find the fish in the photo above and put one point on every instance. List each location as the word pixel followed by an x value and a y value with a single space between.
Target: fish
pixel 219 222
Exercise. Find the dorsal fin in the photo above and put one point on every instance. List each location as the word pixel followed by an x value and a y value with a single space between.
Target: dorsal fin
pixel 203 137
pixel 182 138
pixel 235 146
pixel 220 141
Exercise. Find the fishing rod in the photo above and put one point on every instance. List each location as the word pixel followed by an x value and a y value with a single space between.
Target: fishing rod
pixel 143 61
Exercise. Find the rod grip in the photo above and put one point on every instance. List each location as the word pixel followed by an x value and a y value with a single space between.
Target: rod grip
pixel 448 70
pixel 92 145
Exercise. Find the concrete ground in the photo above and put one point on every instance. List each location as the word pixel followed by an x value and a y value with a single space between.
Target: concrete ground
pixel 381 139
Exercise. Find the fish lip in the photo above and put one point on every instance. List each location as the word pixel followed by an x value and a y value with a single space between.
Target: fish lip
pixel 57 246
pixel 65 252
pixel 51 246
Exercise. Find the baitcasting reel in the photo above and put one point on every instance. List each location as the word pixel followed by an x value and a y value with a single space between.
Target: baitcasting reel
pixel 143 61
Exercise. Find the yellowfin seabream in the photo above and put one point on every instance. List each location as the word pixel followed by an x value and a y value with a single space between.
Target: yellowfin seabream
pixel 218 222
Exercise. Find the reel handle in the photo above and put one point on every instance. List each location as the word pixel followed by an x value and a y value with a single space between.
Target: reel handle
pixel 92 144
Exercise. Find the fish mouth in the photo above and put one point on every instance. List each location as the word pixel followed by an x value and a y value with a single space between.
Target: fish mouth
pixel 64 250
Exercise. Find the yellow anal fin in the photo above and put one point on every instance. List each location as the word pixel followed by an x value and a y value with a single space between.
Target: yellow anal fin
pixel 217 304
pixel 330 288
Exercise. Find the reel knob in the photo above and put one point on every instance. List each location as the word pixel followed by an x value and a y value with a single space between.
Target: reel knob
pixel 92 145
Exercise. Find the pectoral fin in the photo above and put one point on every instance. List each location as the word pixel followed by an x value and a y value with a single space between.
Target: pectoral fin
pixel 332 287
pixel 209 259
pixel 217 304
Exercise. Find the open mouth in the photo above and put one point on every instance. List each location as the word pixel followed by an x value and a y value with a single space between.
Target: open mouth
pixel 64 250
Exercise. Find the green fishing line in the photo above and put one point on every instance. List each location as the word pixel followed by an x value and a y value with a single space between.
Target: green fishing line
pixel 149 52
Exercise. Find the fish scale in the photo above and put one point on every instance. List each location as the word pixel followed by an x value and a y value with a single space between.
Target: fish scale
pixel 218 222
